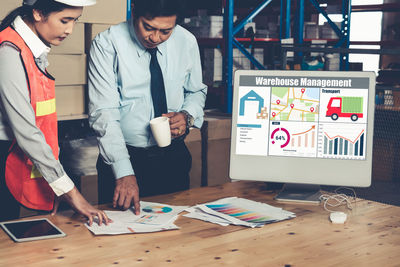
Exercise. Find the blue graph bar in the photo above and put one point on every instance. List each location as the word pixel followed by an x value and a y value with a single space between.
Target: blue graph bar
pixel 362 145
pixel 356 148
pixel 342 147
pixel 335 150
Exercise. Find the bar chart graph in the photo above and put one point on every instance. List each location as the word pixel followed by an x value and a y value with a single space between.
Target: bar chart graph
pixel 304 139
pixel 293 138
pixel 342 142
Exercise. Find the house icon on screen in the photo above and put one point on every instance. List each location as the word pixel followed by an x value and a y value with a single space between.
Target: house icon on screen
pixel 250 96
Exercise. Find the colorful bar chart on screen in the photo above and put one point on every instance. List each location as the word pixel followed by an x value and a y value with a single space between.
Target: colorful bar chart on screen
pixel 240 213
pixel 293 139
pixel 342 141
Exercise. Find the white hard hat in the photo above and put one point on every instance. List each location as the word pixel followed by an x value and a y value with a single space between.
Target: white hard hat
pixel 67 2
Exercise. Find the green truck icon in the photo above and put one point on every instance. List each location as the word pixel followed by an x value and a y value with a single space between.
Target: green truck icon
pixel 345 106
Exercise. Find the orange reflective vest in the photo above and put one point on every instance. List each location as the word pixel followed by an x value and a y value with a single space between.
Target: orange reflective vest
pixel 23 180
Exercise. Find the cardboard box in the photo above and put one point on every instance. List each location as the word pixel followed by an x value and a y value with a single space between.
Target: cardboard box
pixel 74 43
pixel 68 69
pixel 105 11
pixel 91 30
pixel 193 143
pixel 216 136
pixel 7 6
pixel 70 100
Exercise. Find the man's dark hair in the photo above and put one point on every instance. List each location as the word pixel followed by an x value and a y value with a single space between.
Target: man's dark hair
pixel 25 11
pixel 158 8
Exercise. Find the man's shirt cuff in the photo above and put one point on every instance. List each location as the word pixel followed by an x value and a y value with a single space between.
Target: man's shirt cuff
pixel 62 185
pixel 122 168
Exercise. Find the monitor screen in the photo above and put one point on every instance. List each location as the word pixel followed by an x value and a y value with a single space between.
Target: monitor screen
pixel 303 127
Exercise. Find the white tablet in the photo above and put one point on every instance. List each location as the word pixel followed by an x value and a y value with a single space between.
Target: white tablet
pixel 30 230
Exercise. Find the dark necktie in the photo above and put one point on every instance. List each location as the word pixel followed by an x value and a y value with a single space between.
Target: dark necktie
pixel 157 85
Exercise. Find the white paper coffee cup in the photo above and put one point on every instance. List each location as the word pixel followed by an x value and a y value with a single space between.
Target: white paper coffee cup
pixel 161 131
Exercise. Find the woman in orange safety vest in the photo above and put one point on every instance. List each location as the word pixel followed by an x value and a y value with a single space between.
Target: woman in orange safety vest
pixel 30 173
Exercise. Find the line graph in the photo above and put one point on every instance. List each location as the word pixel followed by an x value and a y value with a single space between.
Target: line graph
pixel 340 145
pixel 304 139
pixel 339 136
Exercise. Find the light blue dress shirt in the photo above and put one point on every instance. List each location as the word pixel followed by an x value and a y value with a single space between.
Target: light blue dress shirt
pixel 120 103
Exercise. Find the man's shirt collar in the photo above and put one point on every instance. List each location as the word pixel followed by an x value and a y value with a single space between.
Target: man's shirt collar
pixel 141 49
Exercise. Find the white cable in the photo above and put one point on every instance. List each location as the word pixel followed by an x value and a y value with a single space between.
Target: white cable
pixel 338 199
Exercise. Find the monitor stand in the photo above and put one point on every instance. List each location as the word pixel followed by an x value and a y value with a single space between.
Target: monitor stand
pixel 304 193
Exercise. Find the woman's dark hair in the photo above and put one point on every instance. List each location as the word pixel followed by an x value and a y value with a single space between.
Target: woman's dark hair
pixel 158 8
pixel 45 7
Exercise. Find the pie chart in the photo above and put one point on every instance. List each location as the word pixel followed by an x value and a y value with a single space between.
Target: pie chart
pixel 157 209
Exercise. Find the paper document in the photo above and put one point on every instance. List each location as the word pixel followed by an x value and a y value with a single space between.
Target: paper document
pixel 238 211
pixel 153 217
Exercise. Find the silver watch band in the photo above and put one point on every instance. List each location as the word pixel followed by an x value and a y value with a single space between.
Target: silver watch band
pixel 189 119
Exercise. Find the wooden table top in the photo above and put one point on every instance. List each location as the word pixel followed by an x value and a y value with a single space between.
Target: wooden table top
pixel 370 237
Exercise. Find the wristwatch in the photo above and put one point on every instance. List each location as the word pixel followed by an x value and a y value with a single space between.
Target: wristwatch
pixel 189 119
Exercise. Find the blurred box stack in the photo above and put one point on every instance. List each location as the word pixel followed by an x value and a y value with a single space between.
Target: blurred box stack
pixel 318 44
pixel 91 31
pixel 7 6
pixel 288 42
pixel 332 62
pixel 327 32
pixel 105 12
pixel 273 30
pixel 102 16
pixel 311 30
pixel 265 28
pixel 68 67
pixel 205 26
pixel 216 138
pixel 212 64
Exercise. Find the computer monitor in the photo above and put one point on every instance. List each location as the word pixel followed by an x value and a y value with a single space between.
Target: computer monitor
pixel 303 128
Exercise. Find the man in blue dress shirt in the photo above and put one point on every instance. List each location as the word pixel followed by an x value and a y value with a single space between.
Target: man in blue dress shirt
pixel 121 103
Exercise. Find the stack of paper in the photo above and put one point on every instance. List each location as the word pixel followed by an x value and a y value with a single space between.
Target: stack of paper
pixel 238 211
pixel 153 217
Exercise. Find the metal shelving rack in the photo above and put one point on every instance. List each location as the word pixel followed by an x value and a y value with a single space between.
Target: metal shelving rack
pixel 285 11
pixel 343 33
pixel 229 35
pixel 128 9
